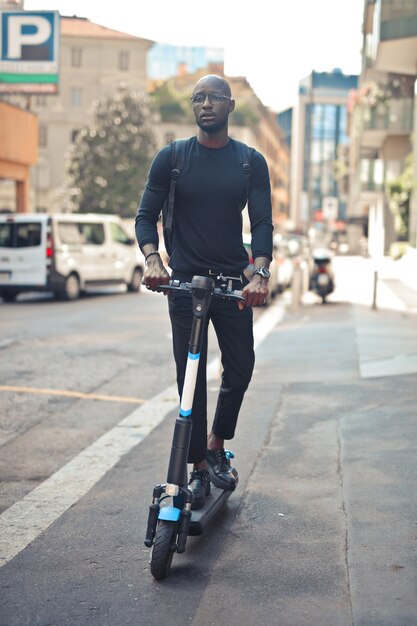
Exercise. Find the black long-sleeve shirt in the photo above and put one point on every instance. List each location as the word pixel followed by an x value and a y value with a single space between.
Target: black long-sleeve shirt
pixel 209 197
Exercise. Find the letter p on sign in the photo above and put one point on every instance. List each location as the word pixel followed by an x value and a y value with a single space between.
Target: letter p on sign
pixel 28 37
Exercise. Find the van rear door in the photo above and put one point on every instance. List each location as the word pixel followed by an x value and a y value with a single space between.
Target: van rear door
pixel 23 255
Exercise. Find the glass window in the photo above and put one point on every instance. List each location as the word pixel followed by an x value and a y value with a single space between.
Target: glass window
pixel 92 234
pixel 76 97
pixel 69 233
pixel 119 235
pixel 76 57
pixel 22 235
pixel 6 235
pixel 329 150
pixel 124 59
pixel 43 135
pixel 316 148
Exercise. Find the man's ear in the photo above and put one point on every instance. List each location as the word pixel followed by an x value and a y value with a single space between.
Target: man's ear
pixel 232 105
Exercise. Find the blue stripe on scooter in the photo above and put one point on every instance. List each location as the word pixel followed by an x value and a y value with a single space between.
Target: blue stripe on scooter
pixel 169 513
pixel 193 357
pixel 184 413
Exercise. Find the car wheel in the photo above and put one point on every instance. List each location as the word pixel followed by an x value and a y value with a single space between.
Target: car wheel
pixel 9 296
pixel 136 281
pixel 71 289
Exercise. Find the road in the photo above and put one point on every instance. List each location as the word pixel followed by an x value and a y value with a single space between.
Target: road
pixel 107 344
pixel 70 372
pixel 321 528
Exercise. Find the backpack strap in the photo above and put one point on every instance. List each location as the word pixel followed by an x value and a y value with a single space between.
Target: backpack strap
pixel 245 157
pixel 179 152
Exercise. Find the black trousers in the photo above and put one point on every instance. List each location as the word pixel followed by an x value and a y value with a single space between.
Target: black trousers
pixel 234 330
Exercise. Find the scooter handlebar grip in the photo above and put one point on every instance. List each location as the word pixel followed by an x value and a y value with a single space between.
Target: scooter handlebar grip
pixel 176 285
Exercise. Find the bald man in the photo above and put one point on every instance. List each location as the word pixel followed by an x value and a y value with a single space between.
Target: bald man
pixel 210 195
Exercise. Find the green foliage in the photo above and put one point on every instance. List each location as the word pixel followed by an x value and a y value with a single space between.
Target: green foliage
pixel 108 163
pixel 244 115
pixel 399 195
pixel 172 105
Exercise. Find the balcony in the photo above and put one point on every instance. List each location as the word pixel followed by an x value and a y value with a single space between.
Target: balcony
pixel 395 36
pixel 389 118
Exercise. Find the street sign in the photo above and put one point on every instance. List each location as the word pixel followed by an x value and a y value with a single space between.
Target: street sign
pixel 29 51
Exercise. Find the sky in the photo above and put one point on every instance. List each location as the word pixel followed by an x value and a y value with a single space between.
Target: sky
pixel 274 43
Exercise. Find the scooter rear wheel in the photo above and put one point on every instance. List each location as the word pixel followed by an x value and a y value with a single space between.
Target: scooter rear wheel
pixel 163 549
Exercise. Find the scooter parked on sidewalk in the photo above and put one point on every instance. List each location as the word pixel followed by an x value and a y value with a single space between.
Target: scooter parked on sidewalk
pixel 322 278
pixel 170 519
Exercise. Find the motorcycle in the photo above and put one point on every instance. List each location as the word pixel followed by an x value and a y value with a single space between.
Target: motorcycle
pixel 322 279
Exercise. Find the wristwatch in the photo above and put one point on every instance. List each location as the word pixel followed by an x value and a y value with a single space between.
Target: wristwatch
pixel 263 271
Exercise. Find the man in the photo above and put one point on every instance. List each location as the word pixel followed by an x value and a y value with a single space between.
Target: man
pixel 207 241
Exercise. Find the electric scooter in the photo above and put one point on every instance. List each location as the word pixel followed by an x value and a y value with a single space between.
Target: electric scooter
pixel 170 519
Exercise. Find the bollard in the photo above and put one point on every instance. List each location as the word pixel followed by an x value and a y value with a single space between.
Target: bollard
pixel 296 286
pixel 374 307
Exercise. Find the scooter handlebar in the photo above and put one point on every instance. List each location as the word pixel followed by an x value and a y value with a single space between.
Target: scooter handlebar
pixel 218 292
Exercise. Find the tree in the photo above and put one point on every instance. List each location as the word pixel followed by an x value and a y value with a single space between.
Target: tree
pixel 108 162
pixel 399 195
pixel 171 104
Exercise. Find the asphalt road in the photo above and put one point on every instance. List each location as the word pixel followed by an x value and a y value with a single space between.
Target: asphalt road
pixel 321 530
pixel 110 344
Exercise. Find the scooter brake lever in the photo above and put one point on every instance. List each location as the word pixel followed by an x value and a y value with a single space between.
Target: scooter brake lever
pixel 228 295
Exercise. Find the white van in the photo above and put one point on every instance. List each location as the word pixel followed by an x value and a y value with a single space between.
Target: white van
pixel 66 254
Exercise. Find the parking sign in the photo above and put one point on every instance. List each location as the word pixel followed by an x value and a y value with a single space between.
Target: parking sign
pixel 29 51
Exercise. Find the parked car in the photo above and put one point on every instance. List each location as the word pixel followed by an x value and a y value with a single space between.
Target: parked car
pixel 66 254
pixel 273 268
pixel 284 262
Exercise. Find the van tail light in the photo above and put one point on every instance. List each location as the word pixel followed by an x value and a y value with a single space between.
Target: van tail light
pixel 49 246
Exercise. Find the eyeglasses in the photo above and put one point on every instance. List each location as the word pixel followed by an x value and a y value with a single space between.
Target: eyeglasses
pixel 214 98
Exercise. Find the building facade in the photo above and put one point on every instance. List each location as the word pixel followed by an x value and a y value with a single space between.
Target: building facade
pixel 18 153
pixel 165 60
pixel 319 143
pixel 383 130
pixel 94 60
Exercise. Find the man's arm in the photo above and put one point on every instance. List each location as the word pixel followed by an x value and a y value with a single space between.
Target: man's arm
pixel 153 199
pixel 260 215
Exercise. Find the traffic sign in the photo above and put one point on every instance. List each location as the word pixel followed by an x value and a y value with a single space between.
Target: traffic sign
pixel 29 51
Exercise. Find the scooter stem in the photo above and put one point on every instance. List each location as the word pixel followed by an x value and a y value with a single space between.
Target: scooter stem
pixel 201 288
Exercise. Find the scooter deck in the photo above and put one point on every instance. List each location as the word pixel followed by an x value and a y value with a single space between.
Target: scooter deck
pixel 201 518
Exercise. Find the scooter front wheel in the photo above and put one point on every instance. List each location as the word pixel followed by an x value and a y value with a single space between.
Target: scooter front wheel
pixel 163 549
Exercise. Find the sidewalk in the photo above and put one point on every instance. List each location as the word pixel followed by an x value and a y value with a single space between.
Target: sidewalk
pixel 386 325
pixel 325 534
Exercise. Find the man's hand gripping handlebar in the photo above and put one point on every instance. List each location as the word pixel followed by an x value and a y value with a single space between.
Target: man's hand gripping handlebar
pixel 225 292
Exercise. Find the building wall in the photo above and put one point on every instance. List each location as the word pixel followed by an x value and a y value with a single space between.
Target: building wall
pixel 303 198
pixel 382 128
pixel 164 60
pixel 18 152
pixel 90 67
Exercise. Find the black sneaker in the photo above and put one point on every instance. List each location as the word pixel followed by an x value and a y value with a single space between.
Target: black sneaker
pixel 199 485
pixel 219 470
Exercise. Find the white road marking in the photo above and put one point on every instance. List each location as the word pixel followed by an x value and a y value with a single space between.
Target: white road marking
pixel 25 520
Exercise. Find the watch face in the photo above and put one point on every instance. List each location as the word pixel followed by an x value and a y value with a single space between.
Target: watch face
pixel 263 271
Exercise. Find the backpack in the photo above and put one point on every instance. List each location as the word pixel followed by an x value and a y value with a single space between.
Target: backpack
pixel 180 149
